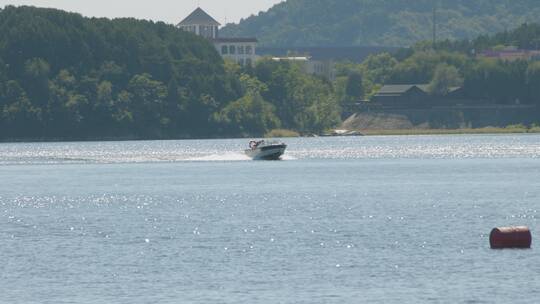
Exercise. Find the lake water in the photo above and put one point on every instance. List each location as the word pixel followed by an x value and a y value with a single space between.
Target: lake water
pixel 339 220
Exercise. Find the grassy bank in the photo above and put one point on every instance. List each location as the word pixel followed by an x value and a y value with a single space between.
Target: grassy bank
pixel 282 133
pixel 489 130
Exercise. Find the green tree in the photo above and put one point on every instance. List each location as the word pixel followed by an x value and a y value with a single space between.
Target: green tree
pixel 64 114
pixel 420 67
pixel 355 87
pixel 297 96
pixel 324 114
pixel 104 94
pixel 148 98
pixel 122 110
pixel 36 71
pixel 533 81
pixel 251 114
pixel 18 117
pixel 308 96
pixel 377 68
pixel 445 78
pixel 497 81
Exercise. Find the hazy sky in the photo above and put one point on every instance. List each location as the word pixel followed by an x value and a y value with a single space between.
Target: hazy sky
pixel 170 11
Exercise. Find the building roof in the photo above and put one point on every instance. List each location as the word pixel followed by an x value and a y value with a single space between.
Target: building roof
pixel 512 54
pixel 355 53
pixel 199 17
pixel 399 89
pixel 235 40
pixel 454 89
pixel 303 58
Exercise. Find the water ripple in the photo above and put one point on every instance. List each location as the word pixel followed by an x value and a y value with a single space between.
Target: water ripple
pixel 390 147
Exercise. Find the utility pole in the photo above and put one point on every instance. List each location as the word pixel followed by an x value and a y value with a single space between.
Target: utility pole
pixel 434 25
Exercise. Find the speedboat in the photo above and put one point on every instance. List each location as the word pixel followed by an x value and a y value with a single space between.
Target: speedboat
pixel 263 150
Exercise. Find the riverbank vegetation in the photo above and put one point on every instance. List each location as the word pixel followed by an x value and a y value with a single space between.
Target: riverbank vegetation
pixel 450 64
pixel 63 76
pixel 512 129
pixel 281 133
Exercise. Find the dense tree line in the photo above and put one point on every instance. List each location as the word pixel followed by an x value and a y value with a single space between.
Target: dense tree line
pixel 526 36
pixel 64 76
pixel 68 76
pixel 383 22
pixel 280 95
pixel 456 63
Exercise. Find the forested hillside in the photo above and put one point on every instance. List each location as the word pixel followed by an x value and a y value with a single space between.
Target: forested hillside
pixel 381 22
pixel 63 76
pixel 454 63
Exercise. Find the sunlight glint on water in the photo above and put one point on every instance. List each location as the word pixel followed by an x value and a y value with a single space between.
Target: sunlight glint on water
pixel 340 220
pixel 480 146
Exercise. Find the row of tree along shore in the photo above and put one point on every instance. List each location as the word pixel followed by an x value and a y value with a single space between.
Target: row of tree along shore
pixel 63 76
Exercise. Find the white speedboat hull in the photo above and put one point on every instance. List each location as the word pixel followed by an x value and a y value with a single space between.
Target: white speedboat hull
pixel 271 152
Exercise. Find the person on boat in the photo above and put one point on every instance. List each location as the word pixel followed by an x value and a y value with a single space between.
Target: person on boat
pixel 255 144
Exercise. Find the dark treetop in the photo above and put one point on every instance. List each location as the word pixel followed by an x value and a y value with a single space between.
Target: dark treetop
pixel 381 22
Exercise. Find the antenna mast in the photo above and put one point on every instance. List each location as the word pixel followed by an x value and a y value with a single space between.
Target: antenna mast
pixel 434 25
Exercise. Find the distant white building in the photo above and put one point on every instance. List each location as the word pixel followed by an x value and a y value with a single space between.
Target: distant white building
pixel 309 66
pixel 200 23
pixel 240 50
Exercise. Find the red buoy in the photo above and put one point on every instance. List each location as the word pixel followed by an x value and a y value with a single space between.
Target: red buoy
pixel 510 237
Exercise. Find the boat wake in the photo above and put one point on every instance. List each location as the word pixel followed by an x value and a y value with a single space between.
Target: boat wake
pixel 288 157
pixel 230 156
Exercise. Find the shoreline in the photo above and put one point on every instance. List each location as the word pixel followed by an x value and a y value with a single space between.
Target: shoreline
pixel 467 131
pixel 397 132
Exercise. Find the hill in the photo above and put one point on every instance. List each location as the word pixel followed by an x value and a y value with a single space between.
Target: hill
pixel 381 22
pixel 66 77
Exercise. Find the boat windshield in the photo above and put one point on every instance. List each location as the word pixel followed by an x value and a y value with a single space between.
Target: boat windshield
pixel 261 143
